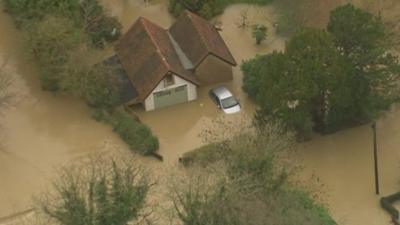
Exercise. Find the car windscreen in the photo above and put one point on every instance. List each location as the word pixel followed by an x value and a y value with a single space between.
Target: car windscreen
pixel 228 102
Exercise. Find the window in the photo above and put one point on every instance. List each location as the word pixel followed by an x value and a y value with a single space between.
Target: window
pixel 169 80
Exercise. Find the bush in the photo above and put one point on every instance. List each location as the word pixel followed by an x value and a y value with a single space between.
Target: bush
pixel 259 33
pixel 137 135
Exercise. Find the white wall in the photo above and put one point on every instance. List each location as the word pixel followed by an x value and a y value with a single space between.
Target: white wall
pixel 191 88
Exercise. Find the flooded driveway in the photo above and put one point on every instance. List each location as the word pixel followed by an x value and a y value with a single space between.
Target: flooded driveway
pixel 44 130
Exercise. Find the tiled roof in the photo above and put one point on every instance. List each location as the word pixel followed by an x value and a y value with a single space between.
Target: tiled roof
pixel 148 52
pixel 147 55
pixel 198 38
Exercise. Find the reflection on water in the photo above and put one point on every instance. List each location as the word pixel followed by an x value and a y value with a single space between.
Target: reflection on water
pixel 44 130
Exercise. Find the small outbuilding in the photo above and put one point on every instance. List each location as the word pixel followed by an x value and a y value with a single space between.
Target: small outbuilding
pixel 162 67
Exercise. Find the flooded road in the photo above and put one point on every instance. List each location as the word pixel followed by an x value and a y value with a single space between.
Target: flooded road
pixel 344 164
pixel 43 130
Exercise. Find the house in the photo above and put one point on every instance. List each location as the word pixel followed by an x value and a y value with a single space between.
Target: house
pixel 162 67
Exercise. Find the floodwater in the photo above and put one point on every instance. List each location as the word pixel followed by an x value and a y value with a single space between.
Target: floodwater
pixel 40 131
pixel 44 130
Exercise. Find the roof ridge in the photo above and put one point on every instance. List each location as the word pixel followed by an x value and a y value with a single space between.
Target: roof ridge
pixel 163 59
pixel 189 15
pixel 210 51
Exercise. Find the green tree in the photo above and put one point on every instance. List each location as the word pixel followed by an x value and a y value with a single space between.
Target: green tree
pixel 362 38
pixel 49 42
pixel 293 86
pixel 259 32
pixel 99 192
pixel 325 81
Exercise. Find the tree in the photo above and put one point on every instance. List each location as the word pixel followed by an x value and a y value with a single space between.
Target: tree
pixel 325 81
pixel 362 38
pixel 49 41
pixel 99 191
pixel 292 87
pixel 259 33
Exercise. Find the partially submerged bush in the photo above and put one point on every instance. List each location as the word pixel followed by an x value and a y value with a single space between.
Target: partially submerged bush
pixel 259 32
pixel 137 135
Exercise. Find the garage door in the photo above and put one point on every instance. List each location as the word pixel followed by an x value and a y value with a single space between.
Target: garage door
pixel 170 97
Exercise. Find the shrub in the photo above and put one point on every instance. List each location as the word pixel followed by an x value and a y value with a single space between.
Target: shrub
pixel 259 33
pixel 137 135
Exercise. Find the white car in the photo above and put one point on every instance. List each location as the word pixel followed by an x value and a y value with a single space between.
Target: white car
pixel 224 100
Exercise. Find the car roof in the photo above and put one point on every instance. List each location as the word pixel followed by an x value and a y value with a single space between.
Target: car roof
pixel 222 92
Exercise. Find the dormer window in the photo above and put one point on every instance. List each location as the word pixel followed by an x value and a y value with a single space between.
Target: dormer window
pixel 169 80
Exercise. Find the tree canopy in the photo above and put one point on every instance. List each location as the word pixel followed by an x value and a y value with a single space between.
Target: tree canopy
pixel 326 80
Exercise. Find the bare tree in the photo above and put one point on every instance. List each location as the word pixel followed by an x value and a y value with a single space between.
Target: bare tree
pixel 98 191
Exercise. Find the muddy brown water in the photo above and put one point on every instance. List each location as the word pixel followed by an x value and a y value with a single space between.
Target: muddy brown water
pixel 43 130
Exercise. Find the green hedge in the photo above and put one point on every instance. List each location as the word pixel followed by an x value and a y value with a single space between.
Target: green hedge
pixel 137 135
